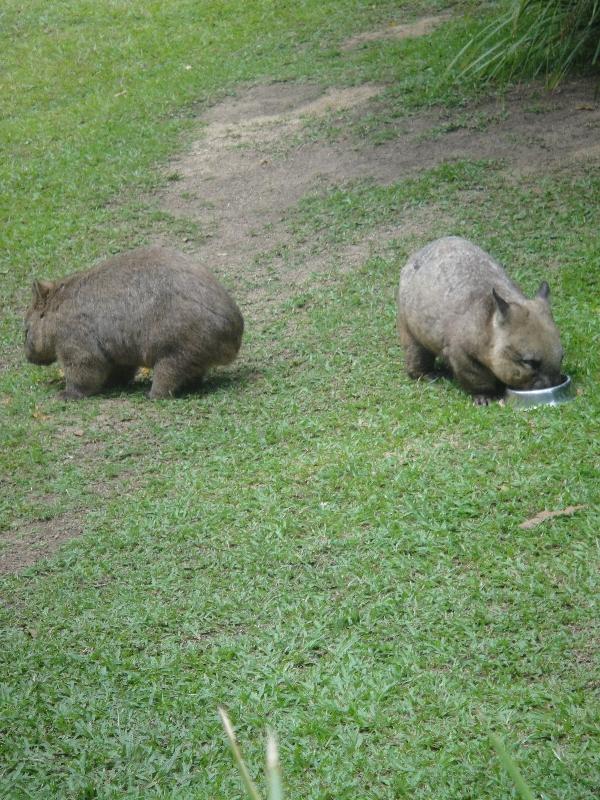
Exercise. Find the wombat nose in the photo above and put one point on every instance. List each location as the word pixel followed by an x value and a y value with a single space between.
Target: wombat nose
pixel 545 381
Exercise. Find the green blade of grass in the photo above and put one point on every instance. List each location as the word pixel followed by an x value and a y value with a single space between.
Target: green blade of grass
pixel 237 755
pixel 512 769
pixel 273 769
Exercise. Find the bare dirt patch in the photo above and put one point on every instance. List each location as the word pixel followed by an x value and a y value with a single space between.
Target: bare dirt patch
pixel 420 27
pixel 232 183
pixel 37 540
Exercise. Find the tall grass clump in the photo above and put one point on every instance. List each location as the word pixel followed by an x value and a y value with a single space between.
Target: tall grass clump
pixel 532 38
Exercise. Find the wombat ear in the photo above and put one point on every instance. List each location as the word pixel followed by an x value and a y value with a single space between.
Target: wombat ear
pixel 502 307
pixel 41 290
pixel 544 291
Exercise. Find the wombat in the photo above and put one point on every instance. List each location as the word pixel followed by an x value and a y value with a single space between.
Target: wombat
pixel 455 301
pixel 151 307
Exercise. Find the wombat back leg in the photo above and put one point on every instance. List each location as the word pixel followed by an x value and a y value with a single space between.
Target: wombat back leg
pixel 168 376
pixel 417 359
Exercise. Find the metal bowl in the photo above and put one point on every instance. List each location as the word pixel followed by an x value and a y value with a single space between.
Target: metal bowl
pixel 561 393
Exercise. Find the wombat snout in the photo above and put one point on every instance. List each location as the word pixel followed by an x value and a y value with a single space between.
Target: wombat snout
pixel 543 382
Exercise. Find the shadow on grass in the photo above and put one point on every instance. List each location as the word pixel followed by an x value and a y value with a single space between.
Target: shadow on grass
pixel 216 382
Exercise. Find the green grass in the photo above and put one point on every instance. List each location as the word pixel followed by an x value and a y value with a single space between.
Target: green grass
pixel 315 542
pixel 273 776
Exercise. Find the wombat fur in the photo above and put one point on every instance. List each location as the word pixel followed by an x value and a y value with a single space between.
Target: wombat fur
pixel 151 307
pixel 455 301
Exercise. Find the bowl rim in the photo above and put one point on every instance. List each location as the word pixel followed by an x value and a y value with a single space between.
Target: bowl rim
pixel 548 391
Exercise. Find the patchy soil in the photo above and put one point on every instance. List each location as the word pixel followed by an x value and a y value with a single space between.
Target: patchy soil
pixel 419 27
pixel 37 540
pixel 255 158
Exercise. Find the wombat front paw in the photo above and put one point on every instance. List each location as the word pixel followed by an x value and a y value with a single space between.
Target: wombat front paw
pixel 482 400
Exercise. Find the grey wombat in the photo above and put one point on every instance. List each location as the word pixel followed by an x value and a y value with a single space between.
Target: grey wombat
pixel 456 301
pixel 151 307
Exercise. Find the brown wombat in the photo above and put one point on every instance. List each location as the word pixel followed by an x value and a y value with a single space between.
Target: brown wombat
pixel 151 307
pixel 455 301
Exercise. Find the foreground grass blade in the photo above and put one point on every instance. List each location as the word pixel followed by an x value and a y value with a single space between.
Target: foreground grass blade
pixel 511 768
pixel 273 769
pixel 237 755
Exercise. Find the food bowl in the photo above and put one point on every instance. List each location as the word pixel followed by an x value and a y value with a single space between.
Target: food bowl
pixel 552 396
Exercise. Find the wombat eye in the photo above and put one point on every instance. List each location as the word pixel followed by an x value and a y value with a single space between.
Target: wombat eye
pixel 532 363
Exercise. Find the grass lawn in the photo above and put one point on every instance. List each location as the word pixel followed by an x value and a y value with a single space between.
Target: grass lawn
pixel 314 541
